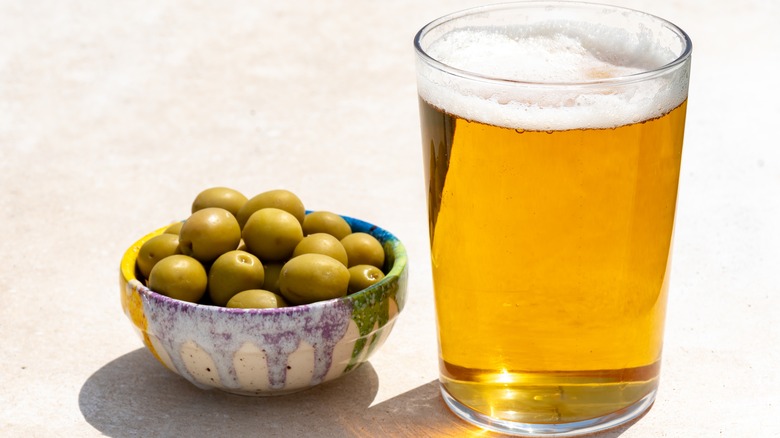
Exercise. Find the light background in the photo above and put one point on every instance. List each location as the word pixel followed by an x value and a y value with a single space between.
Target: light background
pixel 113 115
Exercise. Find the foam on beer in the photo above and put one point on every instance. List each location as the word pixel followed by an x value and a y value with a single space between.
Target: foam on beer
pixel 550 56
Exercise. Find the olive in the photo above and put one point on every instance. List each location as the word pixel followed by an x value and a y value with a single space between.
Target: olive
pixel 209 233
pixel 272 234
pixel 313 277
pixel 233 272
pixel 326 222
pixel 256 299
pixel 221 197
pixel 272 271
pixel 180 277
pixel 281 199
pixel 322 243
pixel 363 249
pixel 363 276
pixel 174 228
pixel 156 249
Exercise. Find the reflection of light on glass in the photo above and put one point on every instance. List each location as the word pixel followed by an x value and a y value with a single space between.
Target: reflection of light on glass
pixel 504 377
pixel 480 432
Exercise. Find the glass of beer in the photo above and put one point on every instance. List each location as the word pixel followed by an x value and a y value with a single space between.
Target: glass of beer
pixel 552 136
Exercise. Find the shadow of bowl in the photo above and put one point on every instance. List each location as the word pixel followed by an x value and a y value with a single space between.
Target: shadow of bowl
pixel 135 396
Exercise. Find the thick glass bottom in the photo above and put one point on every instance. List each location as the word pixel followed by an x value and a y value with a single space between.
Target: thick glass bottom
pixel 576 428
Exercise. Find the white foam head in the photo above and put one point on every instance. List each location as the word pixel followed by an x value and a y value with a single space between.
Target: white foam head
pixel 554 74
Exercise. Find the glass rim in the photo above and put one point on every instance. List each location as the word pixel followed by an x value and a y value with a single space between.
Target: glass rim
pixel 684 55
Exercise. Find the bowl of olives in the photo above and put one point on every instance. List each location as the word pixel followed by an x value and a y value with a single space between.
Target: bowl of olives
pixel 259 296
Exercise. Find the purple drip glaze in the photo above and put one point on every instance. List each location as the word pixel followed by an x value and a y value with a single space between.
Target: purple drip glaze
pixel 223 332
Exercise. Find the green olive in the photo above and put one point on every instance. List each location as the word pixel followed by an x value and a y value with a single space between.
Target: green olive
pixel 313 277
pixel 221 197
pixel 209 233
pixel 174 228
pixel 256 299
pixel 180 277
pixel 233 272
pixel 272 234
pixel 326 222
pixel 363 249
pixel 281 199
pixel 272 271
pixel 322 243
pixel 156 249
pixel 363 276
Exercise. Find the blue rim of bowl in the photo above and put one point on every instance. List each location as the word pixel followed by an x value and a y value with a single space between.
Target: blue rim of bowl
pixel 397 267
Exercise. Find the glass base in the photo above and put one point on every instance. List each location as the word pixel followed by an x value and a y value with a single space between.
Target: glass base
pixel 592 425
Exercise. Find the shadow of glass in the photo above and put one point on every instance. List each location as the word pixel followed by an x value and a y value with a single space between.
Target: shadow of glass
pixel 422 412
pixel 134 396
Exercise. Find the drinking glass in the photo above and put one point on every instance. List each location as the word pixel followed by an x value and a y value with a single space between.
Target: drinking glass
pixel 552 137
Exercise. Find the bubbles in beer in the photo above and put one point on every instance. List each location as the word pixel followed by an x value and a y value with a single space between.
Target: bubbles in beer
pixel 533 58
pixel 551 76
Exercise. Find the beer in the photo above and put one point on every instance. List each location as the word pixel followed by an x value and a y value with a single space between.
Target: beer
pixel 551 213
pixel 550 255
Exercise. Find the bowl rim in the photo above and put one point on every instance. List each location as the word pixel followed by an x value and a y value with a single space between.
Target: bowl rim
pixel 385 237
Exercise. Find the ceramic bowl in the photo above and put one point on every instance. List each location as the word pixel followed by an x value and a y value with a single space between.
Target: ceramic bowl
pixel 267 351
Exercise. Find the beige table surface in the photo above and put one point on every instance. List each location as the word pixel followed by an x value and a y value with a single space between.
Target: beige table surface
pixel 113 115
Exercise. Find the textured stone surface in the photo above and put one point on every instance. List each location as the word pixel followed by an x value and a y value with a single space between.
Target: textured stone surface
pixel 113 115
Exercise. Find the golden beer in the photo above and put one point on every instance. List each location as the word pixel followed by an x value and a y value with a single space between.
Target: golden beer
pixel 550 254
pixel 552 138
